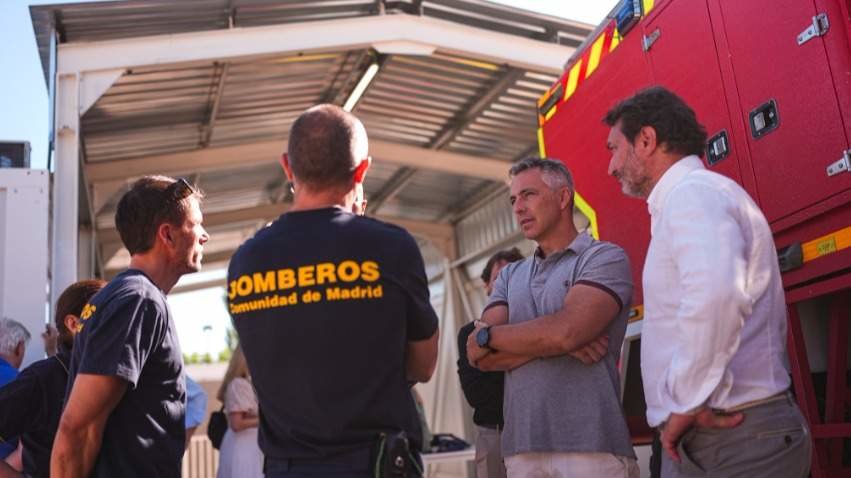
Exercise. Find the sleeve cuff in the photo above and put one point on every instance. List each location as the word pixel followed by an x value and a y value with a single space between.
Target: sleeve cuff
pixel 495 303
pixel 603 288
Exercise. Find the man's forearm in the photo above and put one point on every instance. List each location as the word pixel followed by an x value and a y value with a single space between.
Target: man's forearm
pixel 532 339
pixel 421 358
pixel 502 361
pixel 586 313
pixel 74 452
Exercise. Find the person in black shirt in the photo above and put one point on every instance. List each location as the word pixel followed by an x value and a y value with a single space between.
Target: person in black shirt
pixel 333 312
pixel 484 390
pixel 126 399
pixel 31 405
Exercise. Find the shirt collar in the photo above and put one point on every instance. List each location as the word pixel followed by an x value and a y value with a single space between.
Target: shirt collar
pixel 581 242
pixel 3 363
pixel 669 179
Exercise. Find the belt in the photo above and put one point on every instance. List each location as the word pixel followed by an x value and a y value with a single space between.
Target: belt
pixel 785 395
pixel 490 426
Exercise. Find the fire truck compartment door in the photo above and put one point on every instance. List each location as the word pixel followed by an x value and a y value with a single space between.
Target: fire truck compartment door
pixel 775 75
pixel 684 59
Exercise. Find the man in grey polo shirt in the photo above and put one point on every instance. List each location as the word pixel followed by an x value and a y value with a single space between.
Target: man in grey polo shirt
pixel 555 322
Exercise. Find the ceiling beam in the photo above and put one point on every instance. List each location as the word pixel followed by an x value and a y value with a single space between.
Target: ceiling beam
pixel 214 107
pixel 391 188
pixel 349 33
pixel 466 116
pixel 478 104
pixel 268 152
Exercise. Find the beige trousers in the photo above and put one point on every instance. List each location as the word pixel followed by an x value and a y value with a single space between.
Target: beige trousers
pixel 489 462
pixel 571 465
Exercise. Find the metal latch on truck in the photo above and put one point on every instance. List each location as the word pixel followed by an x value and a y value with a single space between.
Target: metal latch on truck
pixel 843 165
pixel 819 27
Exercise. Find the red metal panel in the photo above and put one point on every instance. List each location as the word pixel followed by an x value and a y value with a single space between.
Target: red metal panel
pixel 789 162
pixel 818 289
pixel 577 136
pixel 684 59
pixel 804 391
pixel 837 353
pixel 838 45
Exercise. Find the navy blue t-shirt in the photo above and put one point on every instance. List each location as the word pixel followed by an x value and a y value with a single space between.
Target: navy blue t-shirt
pixel 128 332
pixel 325 303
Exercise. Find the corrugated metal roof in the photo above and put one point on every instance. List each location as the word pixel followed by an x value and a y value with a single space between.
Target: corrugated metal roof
pixel 441 102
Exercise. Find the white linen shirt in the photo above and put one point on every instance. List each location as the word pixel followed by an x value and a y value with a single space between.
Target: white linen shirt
pixel 714 329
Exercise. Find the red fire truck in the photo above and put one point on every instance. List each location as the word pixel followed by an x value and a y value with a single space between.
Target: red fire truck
pixel 771 82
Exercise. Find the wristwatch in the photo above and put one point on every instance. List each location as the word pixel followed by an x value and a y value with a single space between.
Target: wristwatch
pixel 483 337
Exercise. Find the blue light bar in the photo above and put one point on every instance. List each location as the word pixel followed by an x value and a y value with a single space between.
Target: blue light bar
pixel 628 15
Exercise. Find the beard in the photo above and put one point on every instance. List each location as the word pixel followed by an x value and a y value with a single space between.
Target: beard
pixel 634 180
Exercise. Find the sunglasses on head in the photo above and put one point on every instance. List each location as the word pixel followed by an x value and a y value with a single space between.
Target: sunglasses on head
pixel 179 189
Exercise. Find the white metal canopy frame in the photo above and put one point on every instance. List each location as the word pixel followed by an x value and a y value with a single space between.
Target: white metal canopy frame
pixel 208 88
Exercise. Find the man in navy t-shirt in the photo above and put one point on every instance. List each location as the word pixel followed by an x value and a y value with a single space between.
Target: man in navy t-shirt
pixel 332 311
pixel 126 400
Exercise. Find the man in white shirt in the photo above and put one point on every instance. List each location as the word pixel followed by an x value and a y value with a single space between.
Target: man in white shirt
pixel 713 352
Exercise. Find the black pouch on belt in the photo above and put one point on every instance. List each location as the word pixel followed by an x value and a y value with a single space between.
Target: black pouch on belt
pixel 394 458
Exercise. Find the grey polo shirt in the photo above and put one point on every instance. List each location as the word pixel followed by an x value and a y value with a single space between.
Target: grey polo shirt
pixel 559 404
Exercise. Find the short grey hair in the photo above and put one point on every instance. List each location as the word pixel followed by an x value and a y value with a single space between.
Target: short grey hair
pixel 554 173
pixel 12 333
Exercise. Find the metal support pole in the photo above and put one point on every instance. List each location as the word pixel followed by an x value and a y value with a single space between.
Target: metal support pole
pixel 65 192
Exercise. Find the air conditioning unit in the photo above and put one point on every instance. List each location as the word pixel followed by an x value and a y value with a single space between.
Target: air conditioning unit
pixel 14 154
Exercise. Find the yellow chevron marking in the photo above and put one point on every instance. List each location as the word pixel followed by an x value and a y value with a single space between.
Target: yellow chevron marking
pixel 594 57
pixel 589 212
pixel 542 149
pixel 572 79
pixel 550 113
pixel 616 40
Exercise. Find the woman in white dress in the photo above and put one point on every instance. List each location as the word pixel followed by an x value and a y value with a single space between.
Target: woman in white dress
pixel 239 455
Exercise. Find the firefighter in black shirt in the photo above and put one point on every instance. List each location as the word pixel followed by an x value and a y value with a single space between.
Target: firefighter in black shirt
pixel 333 312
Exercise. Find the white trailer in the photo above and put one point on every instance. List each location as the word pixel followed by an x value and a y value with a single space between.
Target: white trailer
pixel 24 251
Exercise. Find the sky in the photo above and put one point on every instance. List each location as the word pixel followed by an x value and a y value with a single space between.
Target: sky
pixel 200 316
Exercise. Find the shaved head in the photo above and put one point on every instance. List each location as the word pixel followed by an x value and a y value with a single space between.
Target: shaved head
pixel 326 144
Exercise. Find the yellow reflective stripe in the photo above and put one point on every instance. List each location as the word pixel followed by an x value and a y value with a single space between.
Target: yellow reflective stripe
pixel 616 39
pixel 572 79
pixel 594 57
pixel 648 5
pixel 550 113
pixel 827 244
pixel 589 212
pixel 542 150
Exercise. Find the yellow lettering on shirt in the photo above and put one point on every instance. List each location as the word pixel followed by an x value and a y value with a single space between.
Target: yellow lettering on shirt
pixel 271 288
pixel 264 282
pixel 348 271
pixel 369 271
pixel 305 276
pixel 326 273
pixel 286 279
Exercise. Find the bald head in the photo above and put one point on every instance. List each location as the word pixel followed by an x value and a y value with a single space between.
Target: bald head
pixel 326 145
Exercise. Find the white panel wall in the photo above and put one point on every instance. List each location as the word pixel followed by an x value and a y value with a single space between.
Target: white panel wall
pixel 24 201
